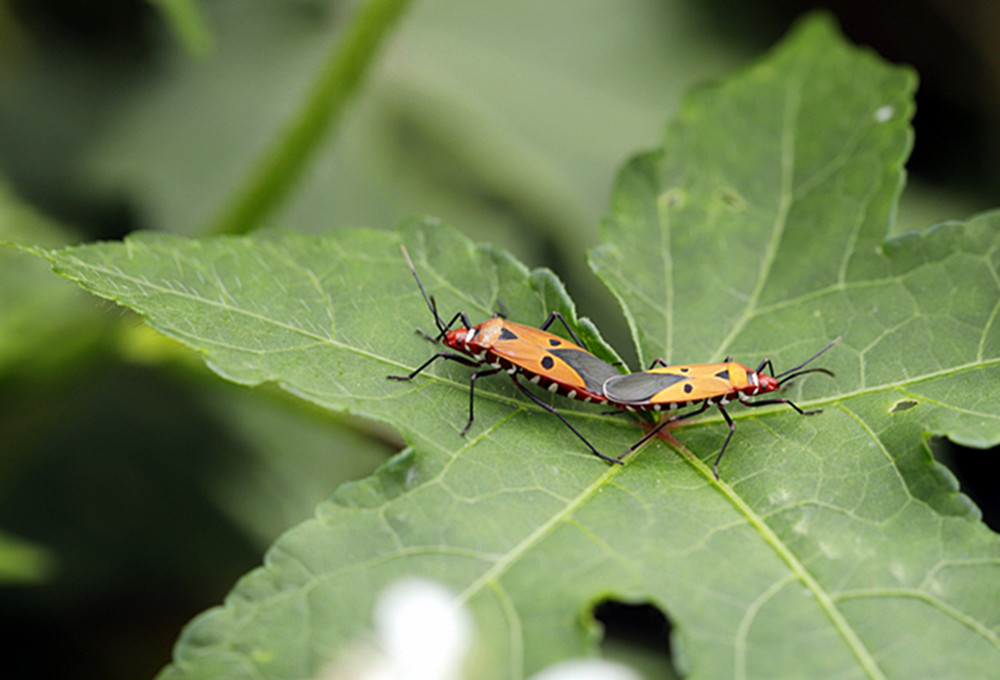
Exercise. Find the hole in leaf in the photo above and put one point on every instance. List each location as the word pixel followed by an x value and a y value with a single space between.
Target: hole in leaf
pixel 903 405
pixel 975 470
pixel 637 635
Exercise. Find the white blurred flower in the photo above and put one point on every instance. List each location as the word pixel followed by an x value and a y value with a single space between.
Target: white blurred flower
pixel 420 634
pixel 587 669
pixel 422 631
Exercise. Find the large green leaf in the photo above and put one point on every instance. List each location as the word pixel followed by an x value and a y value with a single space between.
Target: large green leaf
pixel 832 547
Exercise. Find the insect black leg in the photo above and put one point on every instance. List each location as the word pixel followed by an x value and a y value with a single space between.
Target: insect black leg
pixel 767 402
pixel 616 412
pixel 766 364
pixel 732 428
pixel 658 362
pixel 428 335
pixel 552 409
pixel 440 355
pixel 556 315
pixel 472 394
pixel 666 421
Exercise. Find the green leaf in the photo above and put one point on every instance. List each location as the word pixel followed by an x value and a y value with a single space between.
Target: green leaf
pixel 24 562
pixel 832 547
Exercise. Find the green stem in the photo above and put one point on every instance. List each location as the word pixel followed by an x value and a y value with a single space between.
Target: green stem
pixel 185 19
pixel 275 174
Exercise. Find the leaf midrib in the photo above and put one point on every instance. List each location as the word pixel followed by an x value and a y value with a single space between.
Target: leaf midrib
pixel 789 127
pixel 826 602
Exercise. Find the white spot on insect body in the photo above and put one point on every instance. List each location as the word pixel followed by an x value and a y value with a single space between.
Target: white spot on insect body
pixel 469 336
pixel 571 394
pixel 553 387
pixel 535 379
pixel 512 370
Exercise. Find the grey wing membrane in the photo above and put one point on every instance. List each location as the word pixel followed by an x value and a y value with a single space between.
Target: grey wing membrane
pixel 594 371
pixel 639 388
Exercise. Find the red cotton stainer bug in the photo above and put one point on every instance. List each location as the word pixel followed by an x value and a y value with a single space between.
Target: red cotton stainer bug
pixel 545 359
pixel 673 387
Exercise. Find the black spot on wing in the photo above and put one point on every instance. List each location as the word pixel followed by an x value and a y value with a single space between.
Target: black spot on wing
pixel 593 371
pixel 724 374
pixel 548 363
pixel 507 334
pixel 555 342
pixel 639 388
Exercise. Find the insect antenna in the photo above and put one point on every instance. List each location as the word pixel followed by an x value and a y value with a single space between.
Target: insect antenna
pixel 430 304
pixel 788 379
pixel 794 372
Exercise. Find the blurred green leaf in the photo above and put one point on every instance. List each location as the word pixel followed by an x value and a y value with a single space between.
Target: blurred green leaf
pixel 491 116
pixel 23 562
pixel 43 323
pixel 833 547
pixel 187 22
pixel 285 159
pixel 293 459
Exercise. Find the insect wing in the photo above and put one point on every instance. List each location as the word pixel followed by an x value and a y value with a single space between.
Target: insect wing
pixel 592 370
pixel 638 389
pixel 671 384
pixel 552 357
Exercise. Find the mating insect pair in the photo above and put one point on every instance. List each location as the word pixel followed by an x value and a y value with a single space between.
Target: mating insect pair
pixel 567 369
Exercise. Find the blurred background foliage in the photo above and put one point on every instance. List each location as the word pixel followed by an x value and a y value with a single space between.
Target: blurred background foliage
pixel 134 486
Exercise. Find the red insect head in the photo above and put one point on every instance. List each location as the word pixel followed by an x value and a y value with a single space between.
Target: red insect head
pixel 766 383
